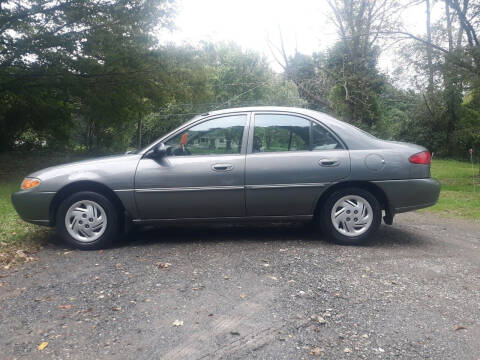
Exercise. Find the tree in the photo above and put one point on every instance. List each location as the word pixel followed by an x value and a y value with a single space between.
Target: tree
pixel 75 57
pixel 217 76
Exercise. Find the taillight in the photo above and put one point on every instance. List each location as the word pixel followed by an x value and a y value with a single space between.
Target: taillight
pixel 423 158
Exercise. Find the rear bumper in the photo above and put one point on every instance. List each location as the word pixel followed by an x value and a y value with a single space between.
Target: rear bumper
pixel 33 206
pixel 410 194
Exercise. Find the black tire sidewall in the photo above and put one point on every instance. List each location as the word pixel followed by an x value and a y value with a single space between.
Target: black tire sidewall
pixel 111 212
pixel 334 234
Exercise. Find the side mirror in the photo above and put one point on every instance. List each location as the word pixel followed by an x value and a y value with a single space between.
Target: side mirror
pixel 160 150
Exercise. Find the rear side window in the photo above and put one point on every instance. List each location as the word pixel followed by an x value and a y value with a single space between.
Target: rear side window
pixel 322 139
pixel 278 132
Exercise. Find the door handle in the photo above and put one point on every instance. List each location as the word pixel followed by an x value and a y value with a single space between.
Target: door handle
pixel 329 162
pixel 222 167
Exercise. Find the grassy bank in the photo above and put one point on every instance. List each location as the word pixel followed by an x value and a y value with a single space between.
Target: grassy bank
pixel 457 199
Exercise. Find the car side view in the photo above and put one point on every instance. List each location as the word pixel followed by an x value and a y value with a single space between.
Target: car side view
pixel 243 164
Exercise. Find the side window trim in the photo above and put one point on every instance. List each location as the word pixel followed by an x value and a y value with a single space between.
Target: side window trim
pixel 251 124
pixel 186 128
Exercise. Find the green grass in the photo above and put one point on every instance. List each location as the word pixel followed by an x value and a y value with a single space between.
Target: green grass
pixel 15 234
pixel 457 198
pixel 17 237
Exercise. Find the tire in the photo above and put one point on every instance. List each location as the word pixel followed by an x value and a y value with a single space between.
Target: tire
pixel 95 223
pixel 347 228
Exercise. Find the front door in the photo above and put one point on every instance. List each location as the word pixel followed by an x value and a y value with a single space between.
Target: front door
pixel 202 175
pixel 290 162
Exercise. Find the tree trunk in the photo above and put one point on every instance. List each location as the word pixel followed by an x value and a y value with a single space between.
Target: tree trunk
pixel 429 50
pixel 449 26
pixel 139 131
pixel 452 92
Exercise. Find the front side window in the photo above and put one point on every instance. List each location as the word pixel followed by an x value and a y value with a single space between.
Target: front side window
pixel 213 137
pixel 277 132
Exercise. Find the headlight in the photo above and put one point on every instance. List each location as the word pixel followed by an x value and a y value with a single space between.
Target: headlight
pixel 29 183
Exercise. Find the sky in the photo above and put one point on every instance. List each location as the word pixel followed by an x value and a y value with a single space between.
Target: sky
pixel 305 25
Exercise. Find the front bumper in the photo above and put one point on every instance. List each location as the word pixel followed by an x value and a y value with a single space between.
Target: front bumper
pixel 410 194
pixel 33 206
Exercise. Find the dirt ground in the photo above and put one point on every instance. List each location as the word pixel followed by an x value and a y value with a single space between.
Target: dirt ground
pixel 251 292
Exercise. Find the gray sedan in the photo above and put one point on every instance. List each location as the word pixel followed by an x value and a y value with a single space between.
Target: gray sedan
pixel 245 164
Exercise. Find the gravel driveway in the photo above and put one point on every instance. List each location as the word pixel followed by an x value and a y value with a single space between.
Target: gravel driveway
pixel 251 292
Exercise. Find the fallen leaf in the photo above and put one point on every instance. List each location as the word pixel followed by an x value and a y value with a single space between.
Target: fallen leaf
pixel 20 253
pixel 226 277
pixel 243 295
pixel 67 252
pixel 177 323
pixel 459 327
pixel 316 351
pixel 161 265
pixel 116 308
pixel 42 345
pixel 318 319
pixel 347 350
pixel 65 306
pixel 265 260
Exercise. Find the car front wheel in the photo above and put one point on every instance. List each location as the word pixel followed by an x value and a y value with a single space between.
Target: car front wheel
pixel 88 220
pixel 351 215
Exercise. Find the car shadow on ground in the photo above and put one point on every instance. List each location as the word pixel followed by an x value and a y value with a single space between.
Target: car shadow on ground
pixel 387 236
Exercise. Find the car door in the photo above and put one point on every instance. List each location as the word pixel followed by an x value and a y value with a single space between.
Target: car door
pixel 290 161
pixel 202 175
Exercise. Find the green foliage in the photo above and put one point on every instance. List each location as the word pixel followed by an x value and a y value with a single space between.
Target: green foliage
pixel 355 95
pixel 92 60
pixel 217 76
pixel 88 75
pixel 467 134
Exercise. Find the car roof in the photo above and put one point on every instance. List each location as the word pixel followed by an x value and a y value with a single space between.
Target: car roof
pixel 264 108
pixel 325 118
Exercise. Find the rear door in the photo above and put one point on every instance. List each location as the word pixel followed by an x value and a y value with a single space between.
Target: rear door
pixel 202 175
pixel 290 160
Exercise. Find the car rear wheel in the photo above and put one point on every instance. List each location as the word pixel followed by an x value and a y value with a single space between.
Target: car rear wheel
pixel 350 216
pixel 88 220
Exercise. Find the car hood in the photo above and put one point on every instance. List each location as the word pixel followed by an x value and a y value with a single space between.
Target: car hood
pixel 101 165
